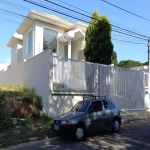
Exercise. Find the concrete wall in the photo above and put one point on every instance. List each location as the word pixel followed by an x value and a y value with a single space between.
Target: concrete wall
pixel 38 73
pixel 14 55
pixel 19 51
pixel 35 73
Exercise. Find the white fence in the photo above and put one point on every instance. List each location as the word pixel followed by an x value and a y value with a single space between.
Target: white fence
pixel 72 76
pixel 62 82
pixel 127 88
pixel 124 86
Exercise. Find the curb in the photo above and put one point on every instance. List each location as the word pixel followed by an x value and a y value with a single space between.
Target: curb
pixel 135 119
pixel 32 138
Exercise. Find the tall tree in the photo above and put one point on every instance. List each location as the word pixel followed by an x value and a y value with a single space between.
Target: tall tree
pixel 99 47
pixel 114 59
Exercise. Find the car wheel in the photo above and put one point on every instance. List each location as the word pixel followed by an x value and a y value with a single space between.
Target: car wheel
pixel 79 133
pixel 116 126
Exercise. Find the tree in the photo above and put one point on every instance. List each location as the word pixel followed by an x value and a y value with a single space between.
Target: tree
pixel 129 63
pixel 114 59
pixel 99 47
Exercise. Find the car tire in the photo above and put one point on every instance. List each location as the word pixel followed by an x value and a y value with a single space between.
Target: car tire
pixel 116 126
pixel 79 133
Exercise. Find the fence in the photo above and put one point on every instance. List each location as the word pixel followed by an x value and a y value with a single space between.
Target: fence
pixel 127 88
pixel 72 76
pixel 124 86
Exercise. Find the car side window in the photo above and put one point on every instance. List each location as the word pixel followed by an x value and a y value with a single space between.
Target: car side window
pixel 108 105
pixel 96 106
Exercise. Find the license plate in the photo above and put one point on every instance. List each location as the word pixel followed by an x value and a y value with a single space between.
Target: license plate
pixel 56 127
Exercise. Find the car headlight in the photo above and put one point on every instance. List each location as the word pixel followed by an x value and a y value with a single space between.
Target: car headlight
pixel 68 122
pixel 65 122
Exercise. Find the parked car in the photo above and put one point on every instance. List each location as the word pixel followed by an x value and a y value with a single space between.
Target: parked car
pixel 91 114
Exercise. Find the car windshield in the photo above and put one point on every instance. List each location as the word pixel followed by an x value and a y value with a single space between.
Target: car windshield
pixel 81 106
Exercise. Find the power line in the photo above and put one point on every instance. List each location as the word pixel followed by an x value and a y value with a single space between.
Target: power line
pixel 13 13
pixel 74 6
pixel 126 10
pixel 128 41
pixel 40 5
pixel 70 16
pixel 13 4
pixel 94 18
pixel 9 20
pixel 90 13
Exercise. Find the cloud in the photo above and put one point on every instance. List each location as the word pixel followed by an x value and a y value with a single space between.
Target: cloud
pixel 5 64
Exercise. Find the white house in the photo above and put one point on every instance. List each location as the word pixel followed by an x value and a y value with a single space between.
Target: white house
pixel 40 31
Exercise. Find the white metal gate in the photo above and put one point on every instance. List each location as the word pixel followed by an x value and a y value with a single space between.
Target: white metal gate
pixel 127 88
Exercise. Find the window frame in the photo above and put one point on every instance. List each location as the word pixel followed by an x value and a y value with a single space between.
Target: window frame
pixel 30 47
pixel 109 102
pixel 96 104
pixel 47 28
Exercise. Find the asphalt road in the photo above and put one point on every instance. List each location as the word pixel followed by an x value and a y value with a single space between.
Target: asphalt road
pixel 135 135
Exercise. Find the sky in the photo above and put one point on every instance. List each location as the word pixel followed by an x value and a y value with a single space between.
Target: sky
pixel 125 50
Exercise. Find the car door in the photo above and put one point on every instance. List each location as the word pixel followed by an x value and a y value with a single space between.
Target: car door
pixel 94 116
pixel 100 115
pixel 108 113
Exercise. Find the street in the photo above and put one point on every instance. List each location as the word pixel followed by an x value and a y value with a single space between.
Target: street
pixel 135 135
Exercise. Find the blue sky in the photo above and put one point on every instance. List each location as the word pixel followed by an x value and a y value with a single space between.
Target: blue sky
pixel 138 52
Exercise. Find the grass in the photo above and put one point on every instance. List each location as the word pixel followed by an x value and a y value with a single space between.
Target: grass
pixel 20 102
pixel 41 129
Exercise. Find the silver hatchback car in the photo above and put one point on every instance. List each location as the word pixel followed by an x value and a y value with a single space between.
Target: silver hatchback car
pixel 91 114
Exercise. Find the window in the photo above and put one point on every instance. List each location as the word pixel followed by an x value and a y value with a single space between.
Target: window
pixel 66 51
pixel 81 106
pixel 30 42
pixel 50 40
pixel 96 106
pixel 108 105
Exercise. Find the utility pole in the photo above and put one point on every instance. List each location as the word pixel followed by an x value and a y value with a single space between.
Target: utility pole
pixel 148 45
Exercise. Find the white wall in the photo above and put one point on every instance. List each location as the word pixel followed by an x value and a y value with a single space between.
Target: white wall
pixel 75 47
pixel 61 49
pixel 38 73
pixel 19 51
pixel 35 73
pixel 14 55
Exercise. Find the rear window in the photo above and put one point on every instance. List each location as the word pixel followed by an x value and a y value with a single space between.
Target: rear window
pixel 81 106
pixel 108 105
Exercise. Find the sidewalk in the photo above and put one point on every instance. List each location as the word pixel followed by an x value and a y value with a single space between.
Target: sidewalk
pixel 133 115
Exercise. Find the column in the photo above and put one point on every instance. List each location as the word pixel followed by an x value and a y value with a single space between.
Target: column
pixel 69 48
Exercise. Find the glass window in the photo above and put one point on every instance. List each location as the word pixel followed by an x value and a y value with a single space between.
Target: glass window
pixel 66 51
pixel 30 42
pixel 50 39
pixel 81 106
pixel 108 104
pixel 96 106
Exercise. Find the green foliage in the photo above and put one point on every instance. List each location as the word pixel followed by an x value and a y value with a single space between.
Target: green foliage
pixel 114 59
pixel 99 47
pixel 20 102
pixel 130 63
pixel 145 64
pixel 5 122
pixel 43 120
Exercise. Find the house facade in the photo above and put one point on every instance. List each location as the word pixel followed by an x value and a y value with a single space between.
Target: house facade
pixel 40 31
pixel 38 51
